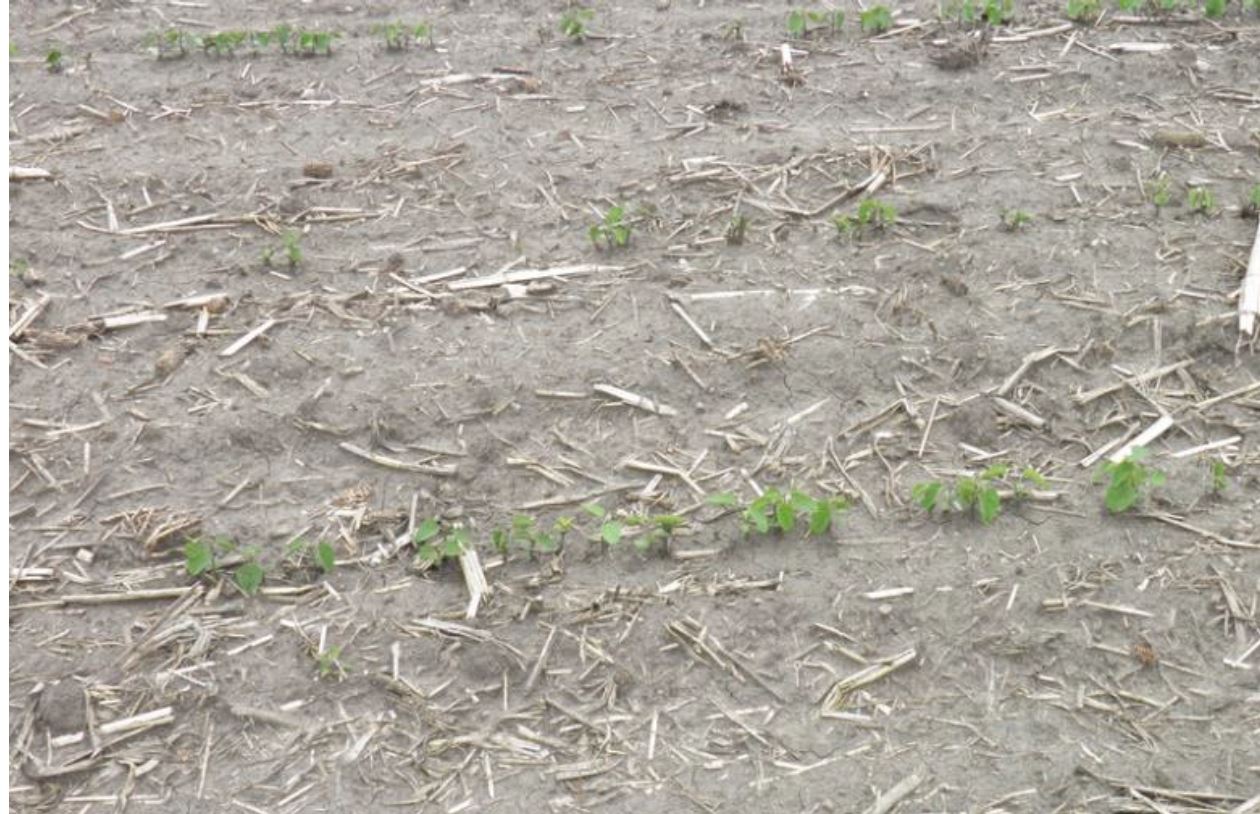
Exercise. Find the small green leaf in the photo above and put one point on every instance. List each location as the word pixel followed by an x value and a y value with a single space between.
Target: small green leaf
pixel 757 517
pixel 965 492
pixel 988 505
pixel 785 516
pixel 1156 478
pixel 1121 497
pixel 995 472
pixel 499 539
pixel 326 556
pixel 801 502
pixel 927 494
pixel 724 499
pixel 545 543
pixel 820 518
pixel 249 577
pixel 611 532
pixel 669 523
pixel 594 510
pixel 198 557
pixel 1034 477
pixel 426 531
pixel 427 554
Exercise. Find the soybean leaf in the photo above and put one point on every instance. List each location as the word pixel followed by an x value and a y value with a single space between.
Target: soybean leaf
pixel 326 556
pixel 198 557
pixel 249 577
pixel 426 531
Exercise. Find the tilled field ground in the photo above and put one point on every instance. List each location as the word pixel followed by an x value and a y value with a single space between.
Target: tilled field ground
pixel 450 345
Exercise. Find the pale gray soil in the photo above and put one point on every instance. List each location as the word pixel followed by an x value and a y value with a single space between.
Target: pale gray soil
pixel 1059 659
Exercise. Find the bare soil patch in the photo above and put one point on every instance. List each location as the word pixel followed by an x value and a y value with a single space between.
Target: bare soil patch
pixel 438 348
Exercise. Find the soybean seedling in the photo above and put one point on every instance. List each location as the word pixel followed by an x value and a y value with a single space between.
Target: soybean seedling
pixel 1201 200
pixel 801 22
pixel 320 551
pixel 1015 219
pixel 1129 5
pixel 1161 192
pixel 997 12
pixel 1251 206
pixel 775 511
pixel 1082 11
pixel 976 494
pixel 201 557
pixel 573 23
pixel 964 12
pixel 736 230
pixel 613 231
pixel 435 544
pixel 223 43
pixel 54 61
pixel 292 249
pixel 315 43
pixel 169 44
pixel 1128 481
pixel 399 36
pixel 1214 9
pixel 328 661
pixel 282 35
pixel 290 244
pixel 658 530
pixel 525 533
pixel 610 529
pixel 1219 474
pixel 871 214
pixel 876 19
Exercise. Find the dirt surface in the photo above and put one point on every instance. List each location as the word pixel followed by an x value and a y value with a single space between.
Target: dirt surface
pixel 1058 659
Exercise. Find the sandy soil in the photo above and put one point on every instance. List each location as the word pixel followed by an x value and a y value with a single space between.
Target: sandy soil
pixel 168 385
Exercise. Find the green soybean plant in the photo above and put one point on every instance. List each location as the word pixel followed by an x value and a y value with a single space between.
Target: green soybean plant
pixel 779 512
pixel 979 494
pixel 997 12
pixel 1161 192
pixel 170 44
pixel 573 23
pixel 1251 205
pixel 876 19
pixel 1128 481
pixel 1015 219
pixel 656 530
pixel 1083 11
pixel 1219 474
pixel 803 22
pixel 436 542
pixel 525 533
pixel 400 36
pixel 1201 200
pixel 321 552
pixel 612 231
pixel 870 214
pixel 611 530
pixel 202 558
pixel 315 43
